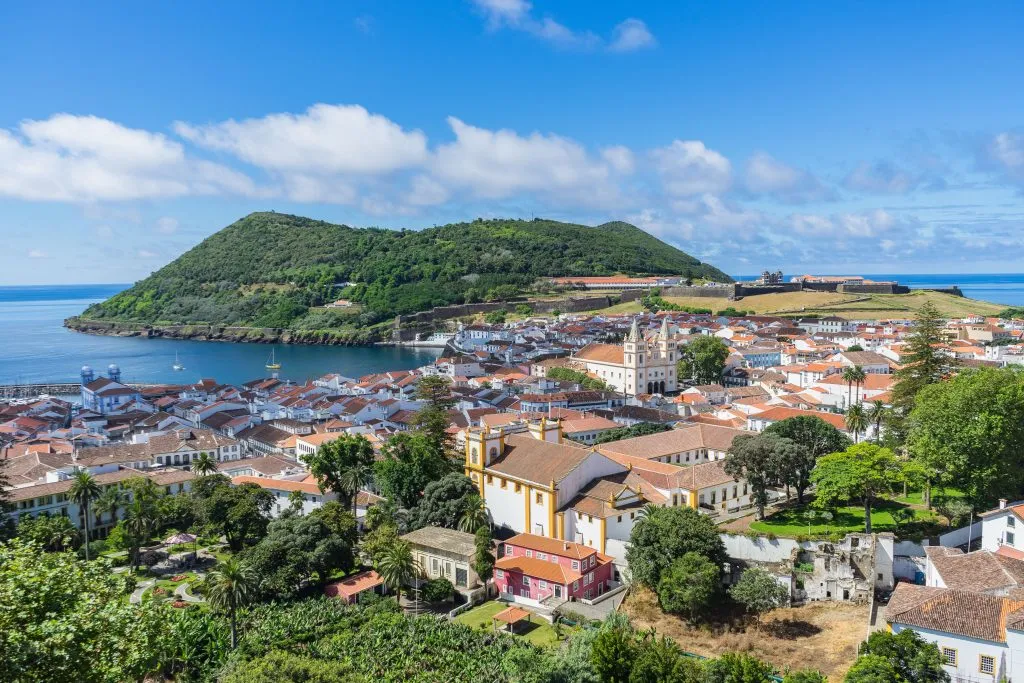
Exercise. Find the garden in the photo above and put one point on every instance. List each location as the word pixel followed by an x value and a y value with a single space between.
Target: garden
pixel 537 631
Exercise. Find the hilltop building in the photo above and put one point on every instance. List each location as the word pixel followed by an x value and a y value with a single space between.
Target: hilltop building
pixel 638 366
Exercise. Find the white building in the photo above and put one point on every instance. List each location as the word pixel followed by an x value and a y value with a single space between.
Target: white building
pixel 638 366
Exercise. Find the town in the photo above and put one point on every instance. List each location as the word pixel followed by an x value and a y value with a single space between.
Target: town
pixel 550 474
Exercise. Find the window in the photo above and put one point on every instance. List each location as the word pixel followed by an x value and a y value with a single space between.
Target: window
pixel 490 479
pixel 987 664
pixel 1009 538
pixel 588 579
pixel 508 551
pixel 542 585
pixel 593 560
pixel 433 565
pixel 575 585
pixel 499 574
pixel 576 565
pixel 529 553
pixel 518 487
pixel 620 518
pixel 1011 521
pixel 503 483
pixel 542 556
pixel 526 580
pixel 539 498
pixel 949 656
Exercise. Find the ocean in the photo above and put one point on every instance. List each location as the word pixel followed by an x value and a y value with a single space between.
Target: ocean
pixel 36 347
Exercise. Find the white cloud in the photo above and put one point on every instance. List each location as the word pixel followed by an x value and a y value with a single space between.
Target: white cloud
pixel 1004 153
pixel 499 12
pixel 630 35
pixel 86 158
pixel 881 177
pixel 766 175
pixel 688 167
pixel 811 225
pixel 167 225
pixel 620 158
pixel 325 139
pixel 867 224
pixel 427 192
pixel 146 254
pixel 502 163
pixel 37 254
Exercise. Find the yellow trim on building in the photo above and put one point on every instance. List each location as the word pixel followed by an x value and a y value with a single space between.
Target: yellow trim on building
pixel 603 527
pixel 552 497
pixel 528 490
pixel 561 526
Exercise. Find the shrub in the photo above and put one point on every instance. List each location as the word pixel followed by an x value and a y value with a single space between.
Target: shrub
pixel 437 590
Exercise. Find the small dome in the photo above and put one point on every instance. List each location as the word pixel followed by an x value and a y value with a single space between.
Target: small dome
pixel 86 369
pixel 113 366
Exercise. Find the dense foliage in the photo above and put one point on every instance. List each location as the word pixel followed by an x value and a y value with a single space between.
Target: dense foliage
pixel 581 378
pixel 702 360
pixel 903 657
pixel 664 534
pixel 269 269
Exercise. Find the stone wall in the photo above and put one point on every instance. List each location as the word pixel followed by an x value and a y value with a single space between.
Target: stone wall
pixel 570 305
pixel 876 288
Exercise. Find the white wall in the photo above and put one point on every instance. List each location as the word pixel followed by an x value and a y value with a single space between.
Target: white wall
pixel 968 652
pixel 506 505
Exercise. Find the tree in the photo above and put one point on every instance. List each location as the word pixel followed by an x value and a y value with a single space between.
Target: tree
pixel 396 566
pixel 734 667
pixel 446 500
pixel 848 376
pixel 483 556
pixel 854 347
pixel 703 360
pixel 84 489
pixel 295 549
pixel 438 590
pixel 339 521
pixel 660 660
pixel 804 676
pixel 862 471
pixel 334 463
pixel 612 655
pixel 664 534
pixel 111 501
pixel 856 421
pixel 409 461
pixel 377 542
pixel 853 376
pixel 759 592
pixel 924 363
pixel 204 464
pixel 432 419
pixel 970 430
pixel 239 513
pixel 915 659
pixel 581 378
pixel 688 585
pixel 139 521
pixel 877 414
pixel 761 460
pixel 296 499
pixel 56 533
pixel 816 438
pixel 873 669
pixel 352 480
pixel 475 516
pixel 230 586
pixel 63 619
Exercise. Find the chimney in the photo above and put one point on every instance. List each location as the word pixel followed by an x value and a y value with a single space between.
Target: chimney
pixel 1002 503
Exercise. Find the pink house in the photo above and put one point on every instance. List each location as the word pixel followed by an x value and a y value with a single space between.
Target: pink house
pixel 534 568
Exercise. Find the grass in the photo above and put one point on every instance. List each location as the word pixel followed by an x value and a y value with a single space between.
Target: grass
pixel 791 521
pixel 539 632
pixel 856 306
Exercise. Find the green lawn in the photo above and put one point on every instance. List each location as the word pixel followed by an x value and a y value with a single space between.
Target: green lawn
pixel 792 522
pixel 539 632
pixel 917 497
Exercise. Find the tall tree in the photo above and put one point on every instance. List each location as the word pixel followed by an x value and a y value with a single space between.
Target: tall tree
pixel 111 501
pixel 397 566
pixel 815 438
pixel 475 516
pixel 432 419
pixel 333 459
pixel 759 592
pixel 878 414
pixel 863 471
pixel 848 377
pixel 856 421
pixel 915 659
pixel 969 431
pixel 688 585
pixel 230 586
pixel 613 653
pixel 240 513
pixel 668 533
pixel 56 533
pixel 483 556
pixel 139 521
pixel 924 362
pixel 446 500
pixel 761 460
pixel 703 360
pixel 204 464
pixel 84 489
pixel 410 461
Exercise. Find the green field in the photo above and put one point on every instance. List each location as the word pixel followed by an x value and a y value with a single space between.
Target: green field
pixel 792 522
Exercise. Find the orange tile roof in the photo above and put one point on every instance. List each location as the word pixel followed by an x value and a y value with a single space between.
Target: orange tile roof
pixel 542 569
pixel 512 614
pixel 279 484
pixel 601 353
pixel 553 546
pixel 353 585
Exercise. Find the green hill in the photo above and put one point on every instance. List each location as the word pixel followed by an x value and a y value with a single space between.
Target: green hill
pixel 274 270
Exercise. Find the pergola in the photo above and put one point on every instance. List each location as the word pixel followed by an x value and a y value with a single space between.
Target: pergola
pixel 511 616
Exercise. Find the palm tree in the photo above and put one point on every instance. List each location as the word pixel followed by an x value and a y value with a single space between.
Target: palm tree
pixel 877 415
pixel 138 523
pixel 229 587
pixel 475 516
pixel 848 376
pixel 858 378
pixel 295 500
pixel 111 500
pixel 204 464
pixel 60 533
pixel 397 566
pixel 856 421
pixel 352 480
pixel 83 490
pixel 648 510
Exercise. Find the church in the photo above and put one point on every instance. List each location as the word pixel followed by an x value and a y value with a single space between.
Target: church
pixel 638 366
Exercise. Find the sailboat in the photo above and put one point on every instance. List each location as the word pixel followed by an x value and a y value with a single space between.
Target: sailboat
pixel 177 367
pixel 272 364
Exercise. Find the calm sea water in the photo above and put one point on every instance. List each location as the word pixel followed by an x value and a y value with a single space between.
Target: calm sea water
pixel 999 288
pixel 35 347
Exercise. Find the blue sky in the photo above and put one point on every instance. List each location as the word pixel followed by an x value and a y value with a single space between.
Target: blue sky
pixel 867 137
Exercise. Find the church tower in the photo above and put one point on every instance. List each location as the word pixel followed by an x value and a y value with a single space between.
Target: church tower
pixel 633 350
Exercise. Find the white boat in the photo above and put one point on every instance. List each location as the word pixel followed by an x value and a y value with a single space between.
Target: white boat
pixel 177 367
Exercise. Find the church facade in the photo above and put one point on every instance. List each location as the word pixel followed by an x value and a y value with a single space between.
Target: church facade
pixel 637 366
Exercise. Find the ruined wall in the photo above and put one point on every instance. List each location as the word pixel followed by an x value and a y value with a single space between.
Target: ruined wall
pixel 569 305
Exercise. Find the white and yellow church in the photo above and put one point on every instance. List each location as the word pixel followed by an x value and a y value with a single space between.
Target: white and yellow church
pixel 637 366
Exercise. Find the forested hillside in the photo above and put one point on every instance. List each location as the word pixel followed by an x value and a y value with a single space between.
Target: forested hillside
pixel 270 269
